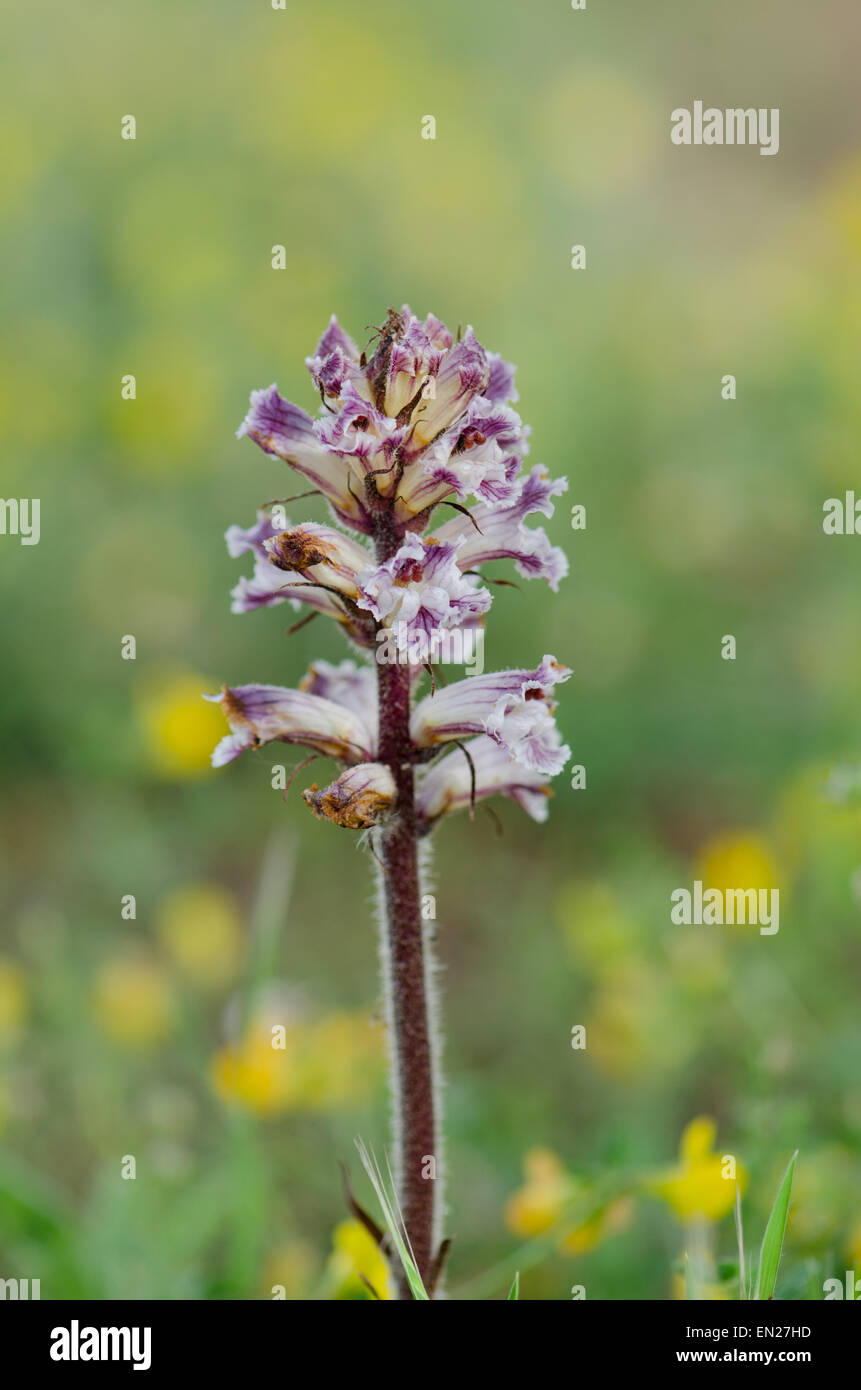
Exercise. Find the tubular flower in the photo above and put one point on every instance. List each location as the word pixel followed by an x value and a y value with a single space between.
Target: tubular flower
pixel 357 799
pixel 513 708
pixel 259 714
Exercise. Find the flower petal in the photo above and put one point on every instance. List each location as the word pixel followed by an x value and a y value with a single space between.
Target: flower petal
pixel 510 706
pixel 349 684
pixel 259 714
pixel 447 785
pixel 464 373
pixel 282 429
pixel 421 589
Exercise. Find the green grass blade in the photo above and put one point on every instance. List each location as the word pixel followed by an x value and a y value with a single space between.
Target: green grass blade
pixel 514 1291
pixel 394 1220
pixel 772 1241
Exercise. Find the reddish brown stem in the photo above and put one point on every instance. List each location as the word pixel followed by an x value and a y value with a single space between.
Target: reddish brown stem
pixel 407 975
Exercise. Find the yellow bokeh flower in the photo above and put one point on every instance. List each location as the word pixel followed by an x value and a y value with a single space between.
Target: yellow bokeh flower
pixel 133 1001
pixel 14 999
pixel 201 928
pixel 738 859
pixel 315 1065
pixel 701 1186
pixel 180 727
pixel 356 1254
pixel 548 1192
pixel 539 1203
pixel 344 1061
pixel 259 1072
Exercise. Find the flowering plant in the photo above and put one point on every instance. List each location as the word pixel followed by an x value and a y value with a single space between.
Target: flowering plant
pixel 420 421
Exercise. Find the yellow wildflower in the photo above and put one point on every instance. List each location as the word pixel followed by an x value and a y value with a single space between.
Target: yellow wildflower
pixel 701 1186
pixel 256 1075
pixel 355 1254
pixel 548 1192
pixel 335 1061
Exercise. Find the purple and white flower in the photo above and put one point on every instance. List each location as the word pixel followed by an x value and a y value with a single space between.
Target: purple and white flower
pixel 499 533
pixel 421 589
pixel 453 783
pixel 513 708
pixel 259 714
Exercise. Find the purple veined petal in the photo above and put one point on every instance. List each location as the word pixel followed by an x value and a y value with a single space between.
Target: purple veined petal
pixel 447 785
pixel 484 419
pixel 412 359
pixel 479 455
pixel 356 800
pixel 259 714
pixel 499 533
pixel 462 375
pixel 335 364
pixel 526 730
pixel 350 684
pixel 364 438
pixel 321 555
pixel 537 492
pixel 335 374
pixel 282 429
pixel 501 539
pixel 421 589
pixel 437 333
pixel 269 586
pixel 240 540
pixel 266 587
pixel 500 385
pixel 511 707
pixel 336 339
pixel 533 493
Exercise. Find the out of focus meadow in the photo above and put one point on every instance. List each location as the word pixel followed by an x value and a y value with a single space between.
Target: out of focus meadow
pixel 146 1036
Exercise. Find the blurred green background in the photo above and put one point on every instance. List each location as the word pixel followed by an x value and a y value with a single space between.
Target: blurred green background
pixel 141 1037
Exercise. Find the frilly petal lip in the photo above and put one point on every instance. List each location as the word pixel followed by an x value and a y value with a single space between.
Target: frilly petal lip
pixel 421 590
pixel 512 707
pixel 357 800
pixel 448 786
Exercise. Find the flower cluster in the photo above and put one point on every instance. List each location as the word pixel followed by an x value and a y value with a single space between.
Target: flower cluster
pixel 420 420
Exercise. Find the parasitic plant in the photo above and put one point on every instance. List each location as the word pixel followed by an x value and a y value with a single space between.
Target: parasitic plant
pixel 419 421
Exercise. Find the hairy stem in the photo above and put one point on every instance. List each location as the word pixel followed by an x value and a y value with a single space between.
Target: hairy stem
pixel 408 977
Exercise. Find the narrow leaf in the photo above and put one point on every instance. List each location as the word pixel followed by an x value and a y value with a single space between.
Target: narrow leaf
pixel 394 1221
pixel 514 1291
pixel 772 1241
